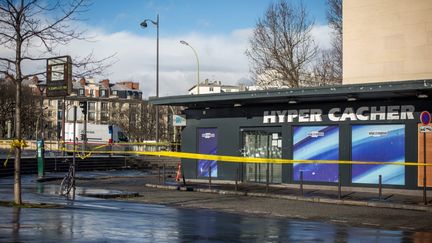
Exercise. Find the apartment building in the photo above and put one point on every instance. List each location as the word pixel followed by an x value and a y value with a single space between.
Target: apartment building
pixel 107 103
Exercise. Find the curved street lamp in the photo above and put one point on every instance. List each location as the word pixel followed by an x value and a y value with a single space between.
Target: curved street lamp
pixel 144 25
pixel 196 55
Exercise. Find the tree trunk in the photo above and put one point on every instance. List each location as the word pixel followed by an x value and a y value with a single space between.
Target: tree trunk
pixel 18 81
pixel 17 174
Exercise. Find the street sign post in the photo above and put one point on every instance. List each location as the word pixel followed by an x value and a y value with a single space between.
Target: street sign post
pixel 59 76
pixel 425 119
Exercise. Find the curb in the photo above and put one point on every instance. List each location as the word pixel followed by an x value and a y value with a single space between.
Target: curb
pixel 297 198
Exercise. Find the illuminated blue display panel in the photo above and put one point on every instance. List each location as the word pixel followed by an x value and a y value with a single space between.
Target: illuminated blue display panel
pixel 316 143
pixel 381 143
pixel 207 144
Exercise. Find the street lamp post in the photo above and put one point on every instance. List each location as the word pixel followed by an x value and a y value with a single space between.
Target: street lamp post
pixel 196 55
pixel 144 25
pixel 40 143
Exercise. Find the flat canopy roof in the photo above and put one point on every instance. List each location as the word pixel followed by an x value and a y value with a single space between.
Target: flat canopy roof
pixel 369 91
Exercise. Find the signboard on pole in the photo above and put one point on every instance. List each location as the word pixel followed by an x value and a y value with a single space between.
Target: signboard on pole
pixel 425 119
pixel 179 120
pixel 59 76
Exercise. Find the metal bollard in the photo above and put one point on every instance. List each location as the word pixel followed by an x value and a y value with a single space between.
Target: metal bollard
pixel 301 182
pixel 159 178
pixel 380 187
pixel 183 176
pixel 339 187
pixel 209 170
pixel 267 178
pixel 163 174
pixel 236 180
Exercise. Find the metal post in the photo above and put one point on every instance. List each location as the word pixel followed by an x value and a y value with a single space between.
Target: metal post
pixel 163 174
pixel 159 179
pixel 85 128
pixel 267 178
pixel 236 180
pixel 209 170
pixel 183 176
pixel 424 169
pixel 74 148
pixel 380 187
pixel 9 129
pixel 339 187
pixel 157 78
pixel 301 183
pixel 63 125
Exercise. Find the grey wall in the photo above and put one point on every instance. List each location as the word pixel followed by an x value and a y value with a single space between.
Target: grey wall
pixel 230 121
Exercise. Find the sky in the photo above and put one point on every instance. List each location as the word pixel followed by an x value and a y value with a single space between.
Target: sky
pixel 219 31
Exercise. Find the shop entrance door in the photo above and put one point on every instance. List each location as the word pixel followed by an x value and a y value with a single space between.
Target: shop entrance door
pixel 262 144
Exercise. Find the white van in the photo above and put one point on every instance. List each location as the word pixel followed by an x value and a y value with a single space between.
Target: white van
pixel 96 133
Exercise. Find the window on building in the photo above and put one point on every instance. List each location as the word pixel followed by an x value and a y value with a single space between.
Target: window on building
pixel 91 93
pixel 104 106
pixel 211 89
pixel 92 106
pixel 114 92
pixel 103 93
pixel 104 116
pixel 92 116
pixel 81 92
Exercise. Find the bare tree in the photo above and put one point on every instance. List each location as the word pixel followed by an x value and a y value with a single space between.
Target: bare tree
pixel 326 70
pixel 26 26
pixel 282 47
pixel 334 18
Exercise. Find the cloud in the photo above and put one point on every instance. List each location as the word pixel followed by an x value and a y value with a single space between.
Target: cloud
pixel 322 35
pixel 221 57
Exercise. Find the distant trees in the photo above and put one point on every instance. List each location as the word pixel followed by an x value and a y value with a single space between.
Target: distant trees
pixel 27 26
pixel 328 66
pixel 282 47
pixel 282 50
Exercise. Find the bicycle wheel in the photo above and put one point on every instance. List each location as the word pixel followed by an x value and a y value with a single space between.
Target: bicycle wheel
pixel 66 185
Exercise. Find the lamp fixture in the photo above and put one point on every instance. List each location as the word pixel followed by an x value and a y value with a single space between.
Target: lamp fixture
pixel 422 96
pixel 351 98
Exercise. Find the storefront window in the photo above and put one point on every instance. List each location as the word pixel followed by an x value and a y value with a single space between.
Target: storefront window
pixel 378 143
pixel 316 143
pixel 207 144
pixel 263 144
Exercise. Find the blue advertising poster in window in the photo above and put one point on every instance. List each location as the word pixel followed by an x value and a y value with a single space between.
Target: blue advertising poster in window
pixel 207 144
pixel 316 143
pixel 380 143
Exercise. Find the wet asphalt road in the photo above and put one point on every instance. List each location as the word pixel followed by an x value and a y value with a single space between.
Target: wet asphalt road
pixel 98 220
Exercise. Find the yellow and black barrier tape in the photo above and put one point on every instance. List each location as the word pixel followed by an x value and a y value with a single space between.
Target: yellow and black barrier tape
pixel 16 143
pixel 240 159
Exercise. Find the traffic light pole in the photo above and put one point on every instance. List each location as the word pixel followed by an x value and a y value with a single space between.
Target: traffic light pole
pixel 84 107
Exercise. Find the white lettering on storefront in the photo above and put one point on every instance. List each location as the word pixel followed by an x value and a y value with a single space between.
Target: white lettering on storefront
pixel 364 113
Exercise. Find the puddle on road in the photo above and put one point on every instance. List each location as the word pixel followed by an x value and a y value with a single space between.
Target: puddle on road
pixel 85 192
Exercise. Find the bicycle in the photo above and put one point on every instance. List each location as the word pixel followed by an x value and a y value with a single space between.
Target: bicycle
pixel 68 182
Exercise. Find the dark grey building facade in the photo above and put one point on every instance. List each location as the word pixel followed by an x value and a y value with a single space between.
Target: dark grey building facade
pixel 370 123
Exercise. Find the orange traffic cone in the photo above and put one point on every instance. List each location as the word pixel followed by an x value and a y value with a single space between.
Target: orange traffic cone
pixel 179 174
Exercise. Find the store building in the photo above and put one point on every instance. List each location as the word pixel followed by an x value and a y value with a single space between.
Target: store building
pixel 375 122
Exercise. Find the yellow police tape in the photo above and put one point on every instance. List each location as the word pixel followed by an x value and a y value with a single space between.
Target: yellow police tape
pixel 240 159
pixel 225 158
pixel 16 143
